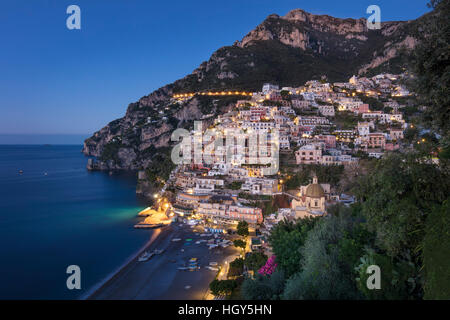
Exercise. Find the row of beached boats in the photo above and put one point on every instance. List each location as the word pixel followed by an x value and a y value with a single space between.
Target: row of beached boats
pixel 193 265
pixel 214 243
pixel 211 243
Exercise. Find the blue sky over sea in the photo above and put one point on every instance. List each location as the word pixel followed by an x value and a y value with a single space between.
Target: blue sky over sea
pixel 59 81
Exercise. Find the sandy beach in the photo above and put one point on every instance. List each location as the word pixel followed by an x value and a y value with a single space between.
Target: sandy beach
pixel 159 277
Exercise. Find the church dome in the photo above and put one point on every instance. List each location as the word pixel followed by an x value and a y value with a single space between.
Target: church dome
pixel 314 190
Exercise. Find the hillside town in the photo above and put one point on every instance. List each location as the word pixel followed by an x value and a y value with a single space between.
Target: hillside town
pixel 318 124
pixel 249 151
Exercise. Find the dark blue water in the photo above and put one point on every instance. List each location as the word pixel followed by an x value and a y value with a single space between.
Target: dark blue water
pixel 68 217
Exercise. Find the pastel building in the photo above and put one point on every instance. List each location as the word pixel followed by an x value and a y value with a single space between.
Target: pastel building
pixel 310 201
pixel 225 213
pixel 308 154
pixel 376 140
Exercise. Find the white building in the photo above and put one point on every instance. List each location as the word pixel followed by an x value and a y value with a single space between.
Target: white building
pixel 268 87
pixel 327 110
pixel 261 186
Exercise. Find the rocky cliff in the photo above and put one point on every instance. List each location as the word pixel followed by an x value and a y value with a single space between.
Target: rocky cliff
pixel 287 50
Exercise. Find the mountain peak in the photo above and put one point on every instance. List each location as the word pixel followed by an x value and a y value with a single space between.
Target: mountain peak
pixel 297 26
pixel 297 15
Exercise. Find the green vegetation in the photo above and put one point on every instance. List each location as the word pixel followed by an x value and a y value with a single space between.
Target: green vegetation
pixel 222 287
pixel 374 103
pixel 242 228
pixel 432 69
pixel 235 185
pixel 268 207
pixel 254 197
pixel 272 61
pixel 110 151
pixel 239 243
pixel 346 120
pixel 326 174
pixel 255 260
pixel 236 268
pixel 286 95
pixel 401 223
pixel 286 239
pixel 161 165
pixel 264 288
pixel 436 246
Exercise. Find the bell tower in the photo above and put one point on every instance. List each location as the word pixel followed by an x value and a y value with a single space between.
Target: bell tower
pixel 315 180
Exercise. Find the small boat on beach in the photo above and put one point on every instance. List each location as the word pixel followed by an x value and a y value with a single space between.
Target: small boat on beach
pixel 145 256
pixel 176 239
pixel 212 268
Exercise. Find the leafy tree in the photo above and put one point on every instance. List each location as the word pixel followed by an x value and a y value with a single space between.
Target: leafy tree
pixel 255 260
pixel 436 249
pixel 286 239
pixel 236 267
pixel 222 287
pixel 242 228
pixel 239 243
pixel 397 277
pixel 264 287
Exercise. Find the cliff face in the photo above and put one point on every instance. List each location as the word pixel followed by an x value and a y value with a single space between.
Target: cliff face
pixel 286 50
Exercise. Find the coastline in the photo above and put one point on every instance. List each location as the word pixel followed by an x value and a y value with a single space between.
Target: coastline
pixel 116 273
pixel 84 219
pixel 160 277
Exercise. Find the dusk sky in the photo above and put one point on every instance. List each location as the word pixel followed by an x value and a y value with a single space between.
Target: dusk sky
pixel 55 80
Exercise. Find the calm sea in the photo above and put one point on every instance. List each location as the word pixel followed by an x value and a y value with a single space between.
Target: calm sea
pixel 58 214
